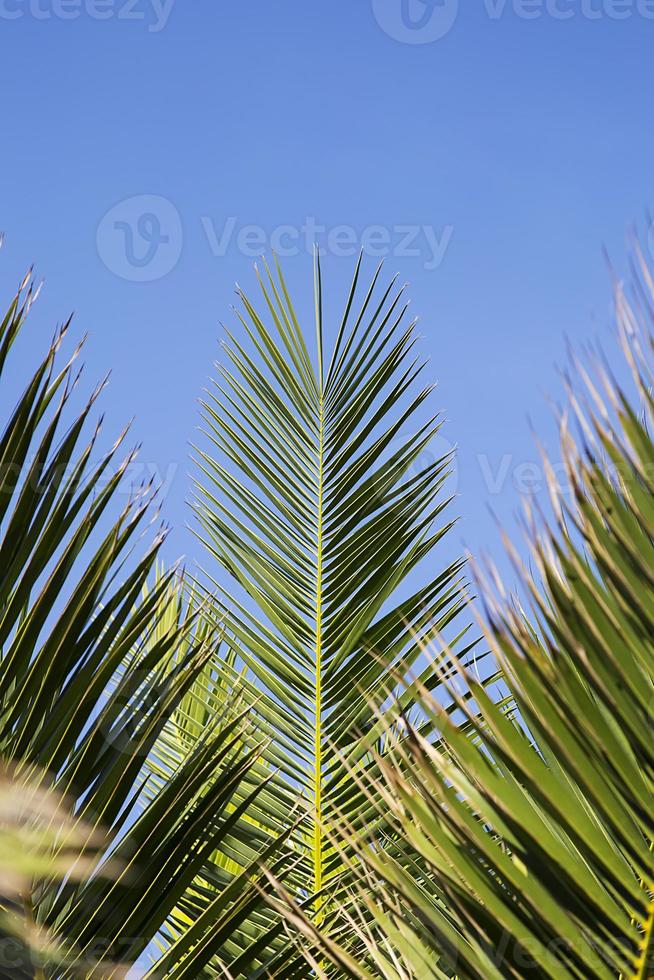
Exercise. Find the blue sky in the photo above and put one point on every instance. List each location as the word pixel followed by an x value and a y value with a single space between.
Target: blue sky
pixel 151 148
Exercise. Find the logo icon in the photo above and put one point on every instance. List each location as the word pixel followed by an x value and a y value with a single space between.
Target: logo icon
pixel 416 21
pixel 140 238
pixel 438 454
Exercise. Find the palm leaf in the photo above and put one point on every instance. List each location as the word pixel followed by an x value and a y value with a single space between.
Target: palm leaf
pixel 312 496
pixel 40 841
pixel 531 825
pixel 261 808
pixel 89 680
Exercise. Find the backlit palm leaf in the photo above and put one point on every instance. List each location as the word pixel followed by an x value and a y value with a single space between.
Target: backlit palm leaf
pixel 217 692
pixel 315 497
pixel 533 824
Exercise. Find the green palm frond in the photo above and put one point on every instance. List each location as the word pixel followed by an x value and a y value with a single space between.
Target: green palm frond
pixel 314 496
pixel 89 679
pixel 532 824
pixel 263 806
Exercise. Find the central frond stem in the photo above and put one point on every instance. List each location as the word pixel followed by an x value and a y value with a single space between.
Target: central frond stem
pixel 317 830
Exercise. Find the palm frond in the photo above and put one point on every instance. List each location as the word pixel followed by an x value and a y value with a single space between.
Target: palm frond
pixel 532 824
pixel 314 497
pixel 89 680
pixel 263 810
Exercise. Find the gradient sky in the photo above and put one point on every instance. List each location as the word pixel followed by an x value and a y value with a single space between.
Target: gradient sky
pixel 142 138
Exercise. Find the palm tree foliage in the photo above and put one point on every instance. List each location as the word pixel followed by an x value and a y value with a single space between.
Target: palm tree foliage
pixel 89 681
pixel 530 819
pixel 265 805
pixel 39 840
pixel 314 496
pixel 162 743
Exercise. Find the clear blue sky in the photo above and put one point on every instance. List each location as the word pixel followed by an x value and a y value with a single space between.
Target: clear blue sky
pixel 515 146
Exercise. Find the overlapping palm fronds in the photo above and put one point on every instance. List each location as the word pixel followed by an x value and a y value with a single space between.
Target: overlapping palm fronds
pixel 316 498
pixel 166 744
pixel 532 821
pixel 267 809
pixel 88 682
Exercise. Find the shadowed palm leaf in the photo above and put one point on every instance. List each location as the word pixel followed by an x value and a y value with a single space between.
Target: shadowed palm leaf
pixel 88 683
